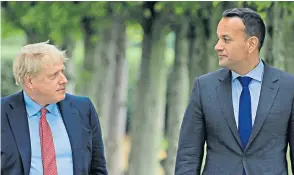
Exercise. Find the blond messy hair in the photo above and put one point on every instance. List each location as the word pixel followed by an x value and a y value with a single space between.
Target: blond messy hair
pixel 33 57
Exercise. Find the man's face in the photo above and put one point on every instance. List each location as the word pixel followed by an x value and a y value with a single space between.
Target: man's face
pixel 49 84
pixel 231 47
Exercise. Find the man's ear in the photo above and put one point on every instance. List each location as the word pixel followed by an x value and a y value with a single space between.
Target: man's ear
pixel 28 81
pixel 252 44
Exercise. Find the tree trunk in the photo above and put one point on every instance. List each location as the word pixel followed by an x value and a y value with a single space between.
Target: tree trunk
pixel 90 54
pixel 30 36
pixel 197 50
pixel 278 48
pixel 33 36
pixel 147 122
pixel 105 75
pixel 178 95
pixel 117 118
pixel 268 44
pixel 288 41
pixel 288 44
pixel 140 108
pixel 212 57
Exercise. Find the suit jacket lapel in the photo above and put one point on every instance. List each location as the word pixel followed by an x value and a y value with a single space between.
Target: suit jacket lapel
pixel 224 94
pixel 71 121
pixel 18 120
pixel 268 93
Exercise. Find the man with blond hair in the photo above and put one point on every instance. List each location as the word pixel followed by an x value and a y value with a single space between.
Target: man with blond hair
pixel 45 130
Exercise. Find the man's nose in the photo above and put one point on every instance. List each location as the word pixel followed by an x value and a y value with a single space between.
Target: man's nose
pixel 218 47
pixel 63 79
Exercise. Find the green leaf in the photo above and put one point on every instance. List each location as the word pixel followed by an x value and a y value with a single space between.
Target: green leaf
pixel 215 3
pixel 147 13
pixel 158 6
pixel 262 5
pixel 179 10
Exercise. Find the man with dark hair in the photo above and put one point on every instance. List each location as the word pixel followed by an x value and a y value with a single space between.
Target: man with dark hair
pixel 252 21
pixel 244 111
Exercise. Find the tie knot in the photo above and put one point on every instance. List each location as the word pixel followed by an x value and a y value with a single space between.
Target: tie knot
pixel 244 81
pixel 43 111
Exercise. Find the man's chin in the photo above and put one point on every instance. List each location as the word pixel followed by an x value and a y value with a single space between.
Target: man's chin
pixel 60 97
pixel 222 64
pixel 63 96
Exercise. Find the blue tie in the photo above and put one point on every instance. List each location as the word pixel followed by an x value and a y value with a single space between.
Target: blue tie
pixel 245 121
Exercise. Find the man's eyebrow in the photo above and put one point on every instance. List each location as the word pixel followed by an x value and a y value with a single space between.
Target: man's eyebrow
pixel 52 73
pixel 58 71
pixel 225 36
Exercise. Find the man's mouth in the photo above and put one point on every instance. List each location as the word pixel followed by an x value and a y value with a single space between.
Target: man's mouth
pixel 62 89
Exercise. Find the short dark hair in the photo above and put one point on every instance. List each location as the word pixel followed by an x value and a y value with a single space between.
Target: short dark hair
pixel 254 25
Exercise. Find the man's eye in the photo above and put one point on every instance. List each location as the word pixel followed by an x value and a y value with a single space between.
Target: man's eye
pixel 226 39
pixel 54 75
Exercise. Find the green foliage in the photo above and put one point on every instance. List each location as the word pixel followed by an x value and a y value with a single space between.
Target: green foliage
pixel 64 21
pixel 261 5
pixel 10 21
pixel 287 5
pixel 89 8
pixel 95 38
pixel 48 19
pixel 159 7
pixel 134 34
pixel 147 13
pixel 53 20
pixel 8 28
pixel 215 3
pixel 179 10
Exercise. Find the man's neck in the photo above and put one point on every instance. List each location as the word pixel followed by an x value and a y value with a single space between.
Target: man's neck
pixel 34 98
pixel 248 66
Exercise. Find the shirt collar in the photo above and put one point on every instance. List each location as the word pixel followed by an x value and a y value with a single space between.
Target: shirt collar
pixel 255 73
pixel 33 107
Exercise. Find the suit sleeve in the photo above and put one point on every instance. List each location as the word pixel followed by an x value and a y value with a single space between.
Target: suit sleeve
pixel 98 163
pixel 291 136
pixel 192 137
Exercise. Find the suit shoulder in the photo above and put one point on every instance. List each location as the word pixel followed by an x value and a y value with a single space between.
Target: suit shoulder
pixel 10 98
pixel 80 102
pixel 287 75
pixel 210 80
pixel 76 99
pixel 211 76
pixel 284 75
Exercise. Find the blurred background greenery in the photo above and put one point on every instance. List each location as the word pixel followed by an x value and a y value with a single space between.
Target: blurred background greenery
pixel 137 62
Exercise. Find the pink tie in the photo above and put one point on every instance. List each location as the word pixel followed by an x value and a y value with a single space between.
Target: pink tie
pixel 47 146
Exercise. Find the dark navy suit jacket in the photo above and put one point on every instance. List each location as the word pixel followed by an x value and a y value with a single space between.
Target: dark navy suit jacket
pixel 82 125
